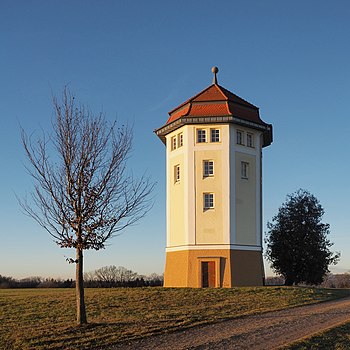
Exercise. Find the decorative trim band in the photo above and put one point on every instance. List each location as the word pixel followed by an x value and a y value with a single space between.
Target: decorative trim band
pixel 214 246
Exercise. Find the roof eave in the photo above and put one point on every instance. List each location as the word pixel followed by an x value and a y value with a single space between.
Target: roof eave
pixel 185 120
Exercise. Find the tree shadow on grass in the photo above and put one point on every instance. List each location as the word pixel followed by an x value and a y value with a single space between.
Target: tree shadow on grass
pixel 85 336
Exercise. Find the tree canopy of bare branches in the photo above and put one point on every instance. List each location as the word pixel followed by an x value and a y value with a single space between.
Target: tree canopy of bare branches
pixel 113 276
pixel 82 192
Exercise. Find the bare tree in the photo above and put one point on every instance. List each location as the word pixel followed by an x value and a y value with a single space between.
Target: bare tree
pixel 112 274
pixel 82 193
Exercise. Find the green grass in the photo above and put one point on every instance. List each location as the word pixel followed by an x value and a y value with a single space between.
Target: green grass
pixel 45 318
pixel 337 338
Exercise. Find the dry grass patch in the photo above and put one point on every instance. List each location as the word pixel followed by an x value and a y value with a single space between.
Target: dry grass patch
pixel 336 338
pixel 45 318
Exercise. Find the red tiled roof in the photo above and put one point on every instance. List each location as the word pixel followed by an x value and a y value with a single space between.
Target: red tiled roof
pixel 232 97
pixel 216 101
pixel 219 105
pixel 179 113
pixel 212 109
pixel 212 93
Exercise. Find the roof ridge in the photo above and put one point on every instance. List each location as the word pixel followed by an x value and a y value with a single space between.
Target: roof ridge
pixel 236 96
pixel 219 87
pixel 189 100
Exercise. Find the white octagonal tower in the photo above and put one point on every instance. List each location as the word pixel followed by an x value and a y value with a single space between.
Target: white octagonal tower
pixel 214 145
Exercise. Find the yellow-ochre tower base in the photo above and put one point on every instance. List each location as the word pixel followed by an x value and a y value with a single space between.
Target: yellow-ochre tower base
pixel 213 268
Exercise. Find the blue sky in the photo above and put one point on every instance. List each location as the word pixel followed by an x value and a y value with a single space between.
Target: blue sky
pixel 137 60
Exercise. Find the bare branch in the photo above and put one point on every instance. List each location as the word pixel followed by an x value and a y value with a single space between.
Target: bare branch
pixel 83 194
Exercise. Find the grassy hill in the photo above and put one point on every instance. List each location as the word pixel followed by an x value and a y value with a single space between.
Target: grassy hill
pixel 45 318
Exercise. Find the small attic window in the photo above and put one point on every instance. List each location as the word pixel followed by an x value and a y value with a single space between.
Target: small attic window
pixel 201 135
pixel 173 143
pixel 180 140
pixel 214 135
pixel 250 140
pixel 239 137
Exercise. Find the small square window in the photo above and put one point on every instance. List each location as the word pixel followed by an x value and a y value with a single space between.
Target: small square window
pixel 214 135
pixel 244 170
pixel 201 135
pixel 208 199
pixel 208 168
pixel 250 140
pixel 173 143
pixel 239 137
pixel 176 173
pixel 180 140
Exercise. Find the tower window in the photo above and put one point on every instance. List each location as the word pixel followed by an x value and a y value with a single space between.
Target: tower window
pixel 244 170
pixel 208 200
pixel 214 135
pixel 239 137
pixel 201 135
pixel 173 143
pixel 180 140
pixel 250 140
pixel 176 173
pixel 208 168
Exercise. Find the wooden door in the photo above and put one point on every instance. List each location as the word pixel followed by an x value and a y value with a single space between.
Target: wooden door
pixel 208 274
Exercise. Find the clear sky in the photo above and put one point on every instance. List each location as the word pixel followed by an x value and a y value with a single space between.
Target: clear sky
pixel 137 60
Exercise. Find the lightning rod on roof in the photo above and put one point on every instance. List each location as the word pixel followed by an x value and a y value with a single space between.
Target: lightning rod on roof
pixel 215 71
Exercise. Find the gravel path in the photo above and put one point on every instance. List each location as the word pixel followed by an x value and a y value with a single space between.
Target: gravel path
pixel 265 331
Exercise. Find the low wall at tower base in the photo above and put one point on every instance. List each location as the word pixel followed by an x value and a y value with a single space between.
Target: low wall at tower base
pixel 232 268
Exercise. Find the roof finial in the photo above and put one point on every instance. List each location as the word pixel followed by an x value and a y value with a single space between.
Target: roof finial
pixel 215 70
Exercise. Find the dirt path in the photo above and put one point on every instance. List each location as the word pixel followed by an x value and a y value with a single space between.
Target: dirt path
pixel 265 331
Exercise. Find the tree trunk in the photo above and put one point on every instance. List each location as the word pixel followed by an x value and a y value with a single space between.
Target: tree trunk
pixel 79 288
pixel 289 281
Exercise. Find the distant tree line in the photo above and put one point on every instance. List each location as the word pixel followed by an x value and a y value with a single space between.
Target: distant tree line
pixel 336 281
pixel 113 276
pixel 329 281
pixel 105 277
pixel 35 282
pixel 274 281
